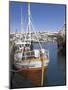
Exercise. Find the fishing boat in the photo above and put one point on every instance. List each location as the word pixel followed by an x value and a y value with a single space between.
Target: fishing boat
pixel 30 62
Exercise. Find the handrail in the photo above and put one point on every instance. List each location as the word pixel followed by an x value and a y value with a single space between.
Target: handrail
pixel 31 51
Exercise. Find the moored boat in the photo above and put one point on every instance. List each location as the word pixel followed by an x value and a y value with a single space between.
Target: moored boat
pixel 30 62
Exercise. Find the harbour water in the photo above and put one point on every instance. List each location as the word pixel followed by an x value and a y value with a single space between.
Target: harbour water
pixel 55 74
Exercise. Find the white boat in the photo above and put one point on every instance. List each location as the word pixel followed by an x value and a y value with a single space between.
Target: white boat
pixel 30 62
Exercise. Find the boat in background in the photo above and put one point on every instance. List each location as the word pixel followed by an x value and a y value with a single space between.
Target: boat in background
pixel 30 62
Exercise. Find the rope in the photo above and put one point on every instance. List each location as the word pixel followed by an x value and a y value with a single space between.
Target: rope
pixel 16 70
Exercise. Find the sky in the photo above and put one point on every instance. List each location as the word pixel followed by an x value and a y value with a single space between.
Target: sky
pixel 44 17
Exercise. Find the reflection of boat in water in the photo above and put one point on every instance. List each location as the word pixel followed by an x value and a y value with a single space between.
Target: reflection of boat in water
pixel 30 62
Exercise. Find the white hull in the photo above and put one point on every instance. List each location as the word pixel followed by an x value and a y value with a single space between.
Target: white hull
pixel 31 64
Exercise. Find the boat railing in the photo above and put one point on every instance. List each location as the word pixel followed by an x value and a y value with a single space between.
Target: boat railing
pixel 31 54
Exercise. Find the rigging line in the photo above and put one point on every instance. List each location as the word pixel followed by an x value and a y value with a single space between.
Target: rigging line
pixel 22 24
pixel 37 38
pixel 35 32
pixel 32 20
pixel 24 45
pixel 16 70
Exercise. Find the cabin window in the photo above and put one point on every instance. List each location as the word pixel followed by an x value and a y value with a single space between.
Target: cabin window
pixel 27 45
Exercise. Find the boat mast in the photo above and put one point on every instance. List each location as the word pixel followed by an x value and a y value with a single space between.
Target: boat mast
pixel 29 22
pixel 21 22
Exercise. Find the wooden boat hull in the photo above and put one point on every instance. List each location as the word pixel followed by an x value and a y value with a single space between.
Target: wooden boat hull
pixel 33 67
pixel 33 74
